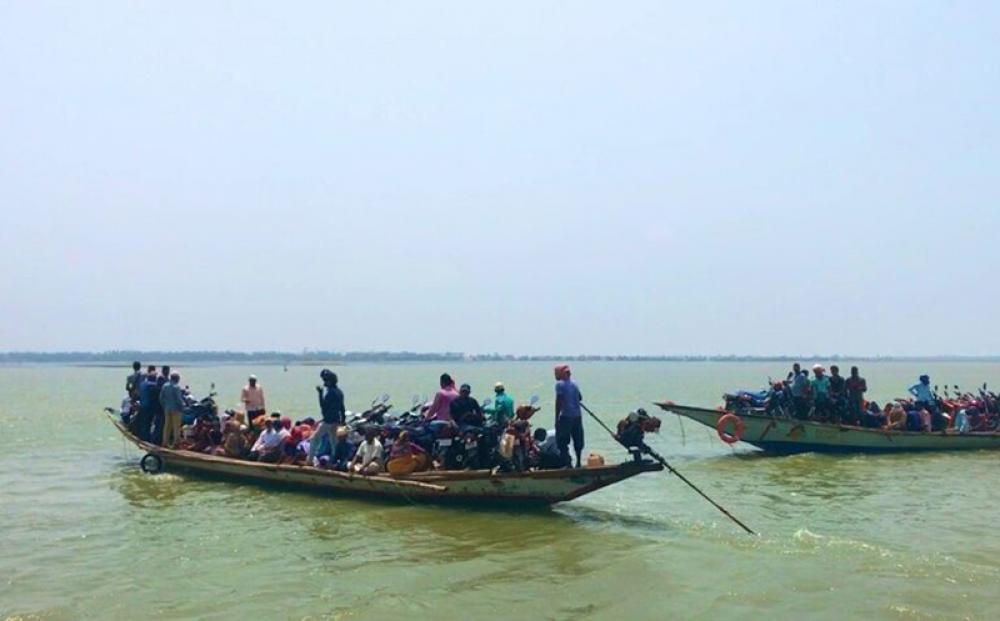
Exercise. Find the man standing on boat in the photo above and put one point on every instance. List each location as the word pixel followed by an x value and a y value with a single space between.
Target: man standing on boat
pixel 331 404
pixel 856 389
pixel 924 400
pixel 800 391
pixel 160 418
pixel 838 395
pixel 134 381
pixel 569 419
pixel 172 402
pixel 149 401
pixel 252 397
pixel 822 407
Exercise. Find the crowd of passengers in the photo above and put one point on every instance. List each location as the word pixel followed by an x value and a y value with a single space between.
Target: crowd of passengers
pixel 835 398
pixel 156 406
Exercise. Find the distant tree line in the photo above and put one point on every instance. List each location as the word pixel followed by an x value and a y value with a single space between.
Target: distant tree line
pixel 310 357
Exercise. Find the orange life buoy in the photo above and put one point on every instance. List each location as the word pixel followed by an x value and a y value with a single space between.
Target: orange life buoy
pixel 738 428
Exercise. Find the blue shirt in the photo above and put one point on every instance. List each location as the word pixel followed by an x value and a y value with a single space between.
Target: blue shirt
pixel 149 394
pixel 922 392
pixel 799 383
pixel 342 452
pixel 571 398
pixel 172 398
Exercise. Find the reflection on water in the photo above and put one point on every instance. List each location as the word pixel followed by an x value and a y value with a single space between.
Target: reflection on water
pixel 147 491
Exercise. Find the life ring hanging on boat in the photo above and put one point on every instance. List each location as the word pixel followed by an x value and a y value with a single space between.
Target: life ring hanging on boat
pixel 151 463
pixel 721 427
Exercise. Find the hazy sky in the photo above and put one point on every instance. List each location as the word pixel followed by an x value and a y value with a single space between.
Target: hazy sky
pixel 520 177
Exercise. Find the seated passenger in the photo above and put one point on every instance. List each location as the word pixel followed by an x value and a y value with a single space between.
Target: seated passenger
pixel 962 424
pixel 925 419
pixel 873 416
pixel 201 435
pixel 776 400
pixel 290 448
pixel 523 444
pixel 465 410
pixel 368 459
pixel 342 451
pixel 406 456
pixel 268 447
pixel 549 457
pixel 914 422
pixel 234 441
pixel 896 419
pixel 126 410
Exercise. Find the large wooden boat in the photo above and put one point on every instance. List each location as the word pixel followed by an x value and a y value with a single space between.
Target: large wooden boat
pixel 520 489
pixel 787 435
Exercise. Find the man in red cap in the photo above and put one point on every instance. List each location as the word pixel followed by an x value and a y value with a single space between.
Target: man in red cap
pixel 569 420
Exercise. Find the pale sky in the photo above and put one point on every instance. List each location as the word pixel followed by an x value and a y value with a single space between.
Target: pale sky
pixel 519 177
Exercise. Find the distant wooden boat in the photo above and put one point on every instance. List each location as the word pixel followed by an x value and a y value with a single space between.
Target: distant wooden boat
pixel 518 489
pixel 788 435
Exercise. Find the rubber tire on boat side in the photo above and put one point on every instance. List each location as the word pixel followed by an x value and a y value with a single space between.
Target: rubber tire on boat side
pixel 147 460
pixel 738 428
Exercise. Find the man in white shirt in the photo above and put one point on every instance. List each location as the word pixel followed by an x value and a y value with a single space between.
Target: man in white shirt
pixel 268 446
pixel 549 456
pixel 368 459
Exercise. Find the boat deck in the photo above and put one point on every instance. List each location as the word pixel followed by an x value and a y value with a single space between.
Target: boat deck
pixel 535 488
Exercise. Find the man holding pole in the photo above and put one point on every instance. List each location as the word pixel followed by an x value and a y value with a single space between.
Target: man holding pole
pixel 569 420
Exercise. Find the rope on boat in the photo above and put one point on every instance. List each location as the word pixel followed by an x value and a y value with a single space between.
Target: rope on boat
pixel 666 464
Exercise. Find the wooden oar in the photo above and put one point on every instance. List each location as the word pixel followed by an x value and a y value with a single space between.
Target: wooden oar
pixel 659 458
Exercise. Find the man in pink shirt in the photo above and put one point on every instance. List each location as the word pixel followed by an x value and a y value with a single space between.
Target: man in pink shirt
pixel 253 399
pixel 441 406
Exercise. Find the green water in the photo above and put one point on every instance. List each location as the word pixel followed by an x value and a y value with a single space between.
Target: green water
pixel 85 535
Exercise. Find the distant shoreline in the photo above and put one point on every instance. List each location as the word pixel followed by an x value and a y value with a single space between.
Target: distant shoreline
pixel 118 358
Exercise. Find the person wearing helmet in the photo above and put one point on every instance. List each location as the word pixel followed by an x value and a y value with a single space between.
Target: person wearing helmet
pixel 569 417
pixel 502 410
pixel 331 405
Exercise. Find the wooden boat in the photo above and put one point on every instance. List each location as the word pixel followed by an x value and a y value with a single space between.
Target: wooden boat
pixel 787 435
pixel 520 489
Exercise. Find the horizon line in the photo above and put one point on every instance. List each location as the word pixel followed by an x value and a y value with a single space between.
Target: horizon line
pixel 228 355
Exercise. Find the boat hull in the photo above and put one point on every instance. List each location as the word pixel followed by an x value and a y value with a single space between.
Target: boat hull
pixel 538 488
pixel 787 436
